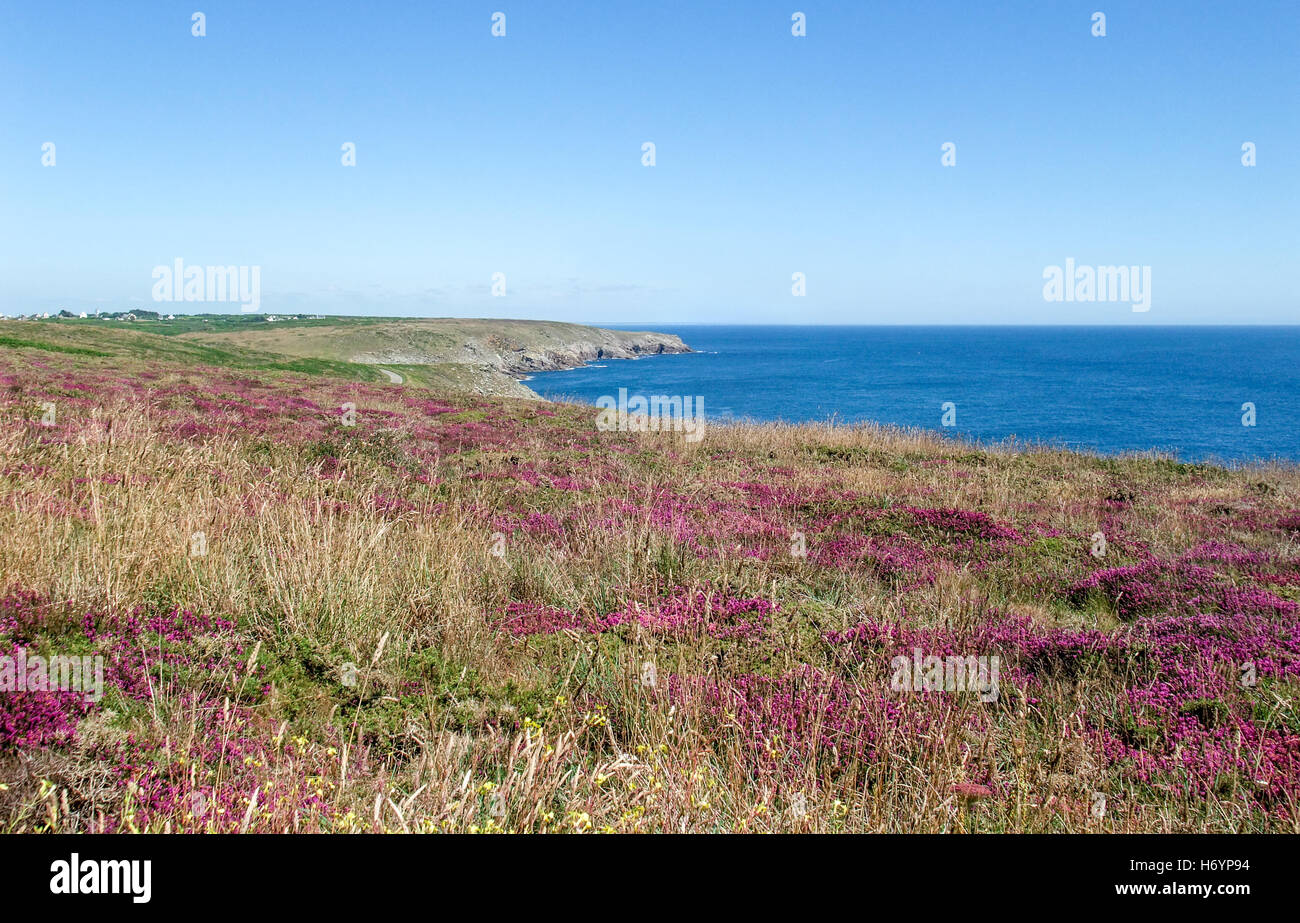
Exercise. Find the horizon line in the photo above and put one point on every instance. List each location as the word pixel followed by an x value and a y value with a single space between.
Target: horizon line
pixel 673 323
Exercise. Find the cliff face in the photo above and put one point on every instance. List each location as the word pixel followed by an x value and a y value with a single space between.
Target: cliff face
pixel 502 351
pixel 600 344
pixel 478 355
pixel 494 354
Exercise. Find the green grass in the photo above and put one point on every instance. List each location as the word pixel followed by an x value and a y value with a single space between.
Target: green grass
pixel 17 343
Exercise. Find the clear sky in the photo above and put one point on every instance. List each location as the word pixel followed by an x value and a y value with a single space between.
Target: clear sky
pixel 775 154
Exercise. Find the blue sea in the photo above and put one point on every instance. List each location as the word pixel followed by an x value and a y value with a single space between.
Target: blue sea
pixel 1175 390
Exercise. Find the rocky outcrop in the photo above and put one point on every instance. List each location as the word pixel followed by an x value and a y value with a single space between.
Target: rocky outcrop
pixel 525 360
pixel 502 351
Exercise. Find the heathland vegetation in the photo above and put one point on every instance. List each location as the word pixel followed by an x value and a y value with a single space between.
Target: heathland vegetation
pixel 326 602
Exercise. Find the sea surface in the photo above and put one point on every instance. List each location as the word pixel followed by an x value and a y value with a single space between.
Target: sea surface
pixel 1174 390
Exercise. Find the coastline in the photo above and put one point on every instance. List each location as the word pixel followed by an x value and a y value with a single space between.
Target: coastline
pixel 1212 394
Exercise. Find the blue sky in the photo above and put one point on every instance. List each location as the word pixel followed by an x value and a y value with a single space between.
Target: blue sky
pixel 774 154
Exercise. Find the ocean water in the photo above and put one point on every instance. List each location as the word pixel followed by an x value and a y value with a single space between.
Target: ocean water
pixel 1176 390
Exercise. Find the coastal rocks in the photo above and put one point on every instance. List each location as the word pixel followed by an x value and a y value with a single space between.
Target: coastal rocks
pixel 500 353
pixel 520 347
pixel 523 361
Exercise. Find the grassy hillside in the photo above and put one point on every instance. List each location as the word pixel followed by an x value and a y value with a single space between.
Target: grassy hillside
pixel 178 342
pixel 472 614
pixel 479 356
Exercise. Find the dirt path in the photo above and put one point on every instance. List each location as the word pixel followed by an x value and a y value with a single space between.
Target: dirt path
pixel 392 376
